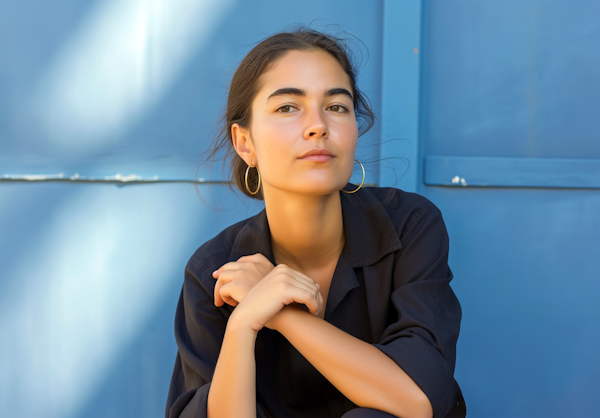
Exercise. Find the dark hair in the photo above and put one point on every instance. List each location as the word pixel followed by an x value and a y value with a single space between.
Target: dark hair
pixel 246 84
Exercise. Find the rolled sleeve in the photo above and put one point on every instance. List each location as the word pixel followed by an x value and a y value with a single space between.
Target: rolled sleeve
pixel 199 332
pixel 422 341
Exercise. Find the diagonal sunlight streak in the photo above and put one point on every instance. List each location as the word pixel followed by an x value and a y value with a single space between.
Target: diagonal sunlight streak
pixel 96 275
pixel 118 64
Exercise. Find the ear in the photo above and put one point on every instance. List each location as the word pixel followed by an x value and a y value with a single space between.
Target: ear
pixel 243 144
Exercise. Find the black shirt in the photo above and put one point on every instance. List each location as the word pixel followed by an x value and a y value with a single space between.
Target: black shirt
pixel 391 288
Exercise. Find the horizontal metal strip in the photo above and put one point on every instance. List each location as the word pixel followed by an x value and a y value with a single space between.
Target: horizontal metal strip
pixel 116 179
pixel 443 170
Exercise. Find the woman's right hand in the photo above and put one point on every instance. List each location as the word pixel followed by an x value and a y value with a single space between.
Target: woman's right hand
pixel 280 287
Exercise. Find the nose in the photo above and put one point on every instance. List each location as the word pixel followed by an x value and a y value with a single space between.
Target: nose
pixel 315 125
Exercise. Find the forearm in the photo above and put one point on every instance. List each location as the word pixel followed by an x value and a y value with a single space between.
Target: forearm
pixel 363 373
pixel 233 389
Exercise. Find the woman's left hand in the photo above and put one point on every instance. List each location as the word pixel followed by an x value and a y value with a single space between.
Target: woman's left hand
pixel 236 278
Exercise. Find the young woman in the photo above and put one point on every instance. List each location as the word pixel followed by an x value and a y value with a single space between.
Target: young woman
pixel 335 299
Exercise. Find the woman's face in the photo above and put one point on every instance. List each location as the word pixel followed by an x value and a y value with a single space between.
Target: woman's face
pixel 305 102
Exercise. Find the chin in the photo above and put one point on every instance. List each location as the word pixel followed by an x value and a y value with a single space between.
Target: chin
pixel 321 188
pixel 310 186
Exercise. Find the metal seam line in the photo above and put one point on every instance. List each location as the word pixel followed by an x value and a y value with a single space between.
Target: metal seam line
pixel 116 179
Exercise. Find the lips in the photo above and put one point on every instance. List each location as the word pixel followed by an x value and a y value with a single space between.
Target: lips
pixel 318 157
pixel 318 152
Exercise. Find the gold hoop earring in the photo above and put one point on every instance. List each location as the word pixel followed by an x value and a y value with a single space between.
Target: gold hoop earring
pixel 247 188
pixel 363 179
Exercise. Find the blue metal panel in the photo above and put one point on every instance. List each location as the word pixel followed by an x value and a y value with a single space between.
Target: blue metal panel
pixel 512 172
pixel 90 277
pixel 511 97
pixel 512 78
pixel 526 266
pixel 126 91
pixel 135 88
pixel 121 91
pixel 400 95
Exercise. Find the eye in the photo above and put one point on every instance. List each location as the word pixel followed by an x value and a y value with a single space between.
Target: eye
pixel 338 108
pixel 284 109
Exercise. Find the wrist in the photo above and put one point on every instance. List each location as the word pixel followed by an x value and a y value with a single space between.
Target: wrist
pixel 237 325
pixel 279 321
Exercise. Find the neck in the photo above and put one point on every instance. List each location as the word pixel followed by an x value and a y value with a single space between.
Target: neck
pixel 307 231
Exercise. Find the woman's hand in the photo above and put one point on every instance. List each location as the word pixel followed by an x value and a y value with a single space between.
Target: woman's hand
pixel 236 278
pixel 282 286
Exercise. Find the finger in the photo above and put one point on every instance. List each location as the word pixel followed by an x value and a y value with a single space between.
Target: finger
pixel 299 276
pixel 227 275
pixel 294 286
pixel 291 278
pixel 319 301
pixel 230 294
pixel 218 298
pixel 252 258
pixel 321 305
pixel 231 301
pixel 282 268
pixel 258 260
pixel 218 271
pixel 232 265
pixel 307 297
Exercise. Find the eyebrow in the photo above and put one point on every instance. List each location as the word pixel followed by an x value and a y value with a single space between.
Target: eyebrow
pixel 293 91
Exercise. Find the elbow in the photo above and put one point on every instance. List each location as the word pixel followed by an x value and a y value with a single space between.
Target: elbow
pixel 419 408
pixel 422 408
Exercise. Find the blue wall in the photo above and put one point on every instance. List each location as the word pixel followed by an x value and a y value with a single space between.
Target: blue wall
pixel 490 109
pixel 510 104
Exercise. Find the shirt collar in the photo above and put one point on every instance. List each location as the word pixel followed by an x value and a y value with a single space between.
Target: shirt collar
pixel 370 233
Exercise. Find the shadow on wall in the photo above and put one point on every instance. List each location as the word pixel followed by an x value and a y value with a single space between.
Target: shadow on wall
pixel 92 284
